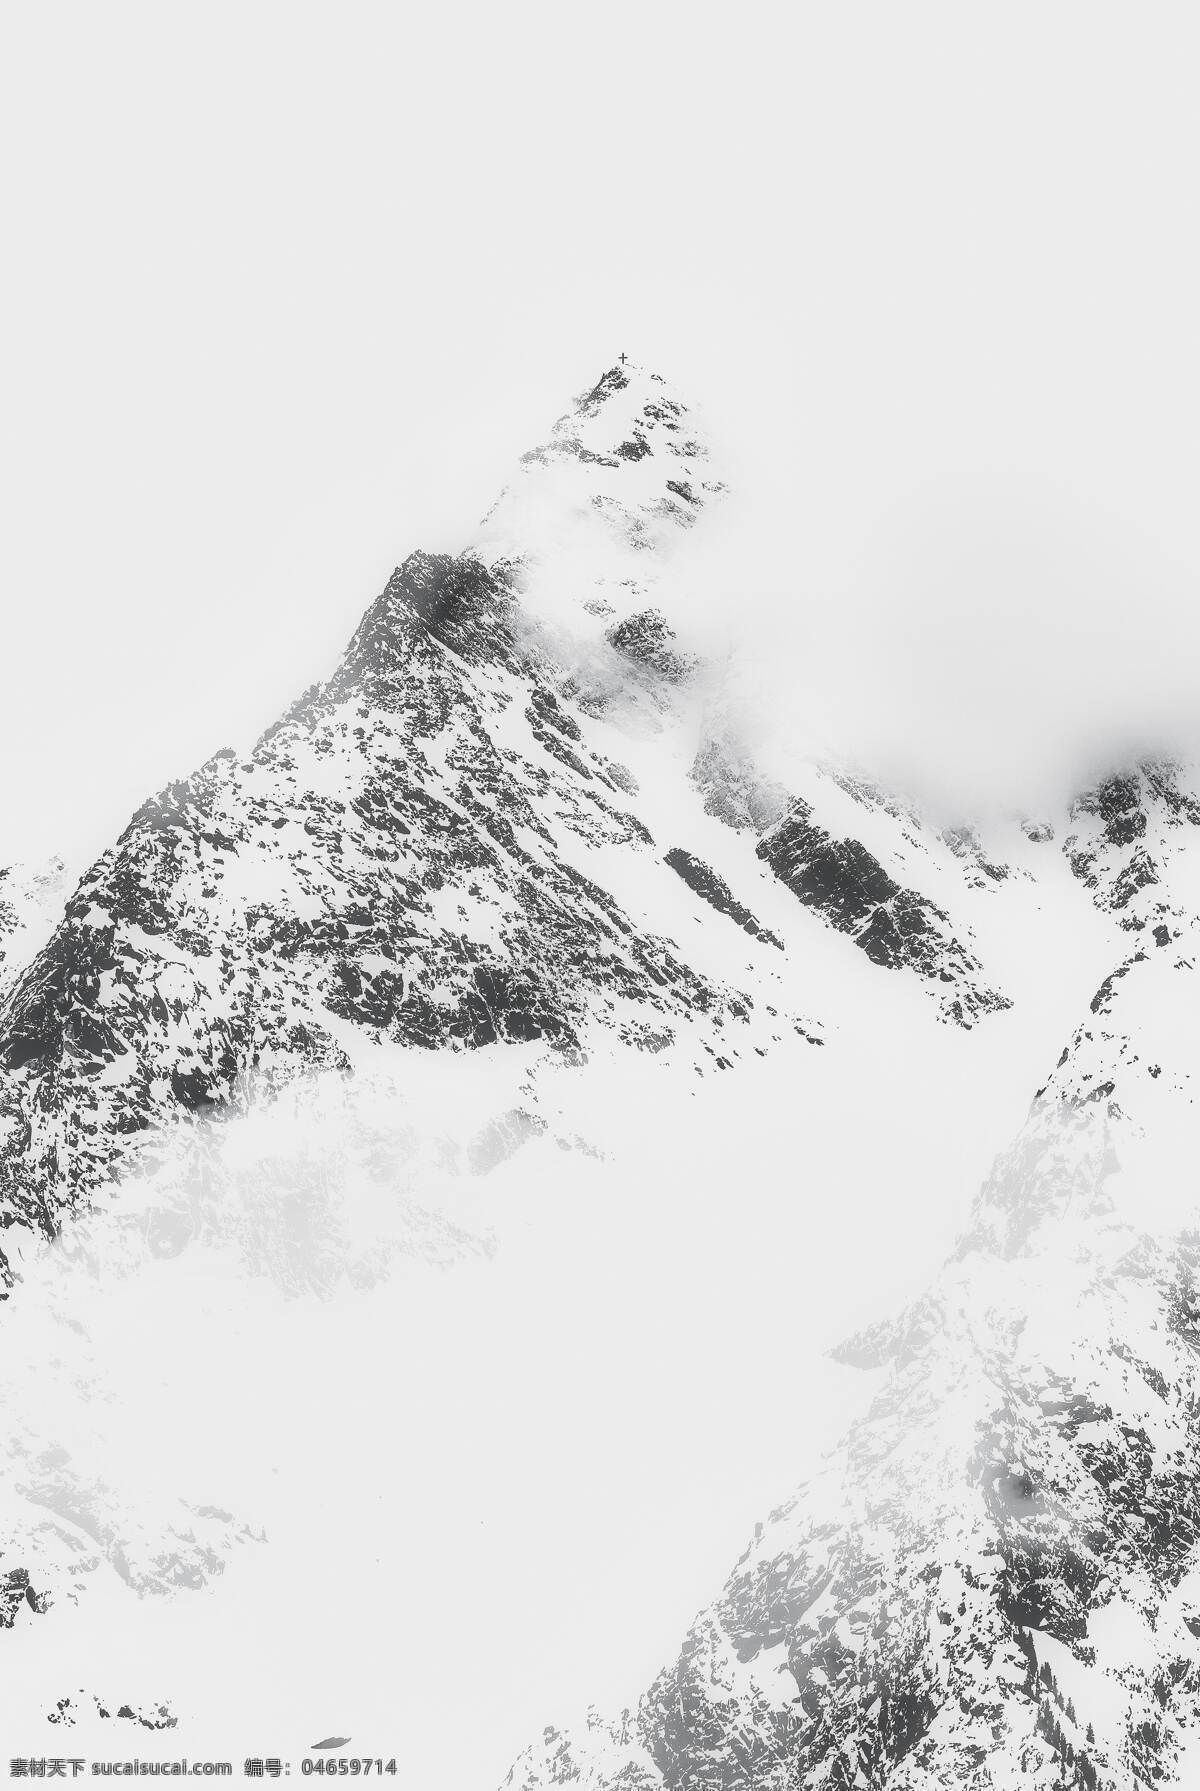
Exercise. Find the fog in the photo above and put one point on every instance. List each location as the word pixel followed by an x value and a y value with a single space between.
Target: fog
pixel 431 1451
pixel 985 648
pixel 286 297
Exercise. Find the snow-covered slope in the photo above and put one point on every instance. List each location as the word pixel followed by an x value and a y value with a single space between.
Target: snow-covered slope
pixel 994 1578
pixel 502 925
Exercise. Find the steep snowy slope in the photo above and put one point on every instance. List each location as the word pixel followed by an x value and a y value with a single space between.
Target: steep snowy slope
pixel 994 1579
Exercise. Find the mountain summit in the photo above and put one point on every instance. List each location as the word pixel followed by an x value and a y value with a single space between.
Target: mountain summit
pixel 633 424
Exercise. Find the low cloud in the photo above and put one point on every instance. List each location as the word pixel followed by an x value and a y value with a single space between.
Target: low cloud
pixel 982 644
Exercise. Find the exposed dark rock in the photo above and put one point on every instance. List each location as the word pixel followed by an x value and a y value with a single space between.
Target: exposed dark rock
pixel 67 1711
pixel 897 928
pixel 888 1621
pixel 734 791
pixel 568 446
pixel 615 380
pixel 682 490
pixel 17 1594
pixel 964 842
pixel 164 992
pixel 645 638
pixel 717 893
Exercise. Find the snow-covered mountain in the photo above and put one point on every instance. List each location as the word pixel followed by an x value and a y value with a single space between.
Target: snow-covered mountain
pixel 510 870
pixel 458 839
pixel 993 1579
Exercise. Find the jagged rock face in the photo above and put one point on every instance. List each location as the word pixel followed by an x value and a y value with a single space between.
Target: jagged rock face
pixel 716 892
pixel 896 927
pixel 593 512
pixel 734 791
pixel 630 417
pixel 846 885
pixel 17 1593
pixel 964 842
pixel 648 639
pixel 1127 836
pixel 404 855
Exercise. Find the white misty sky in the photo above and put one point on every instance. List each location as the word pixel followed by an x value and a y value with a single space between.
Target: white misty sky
pixel 287 288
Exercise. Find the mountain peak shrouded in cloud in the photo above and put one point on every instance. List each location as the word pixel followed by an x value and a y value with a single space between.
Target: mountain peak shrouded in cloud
pixel 595 511
pixel 396 856
pixel 987 641
pixel 562 884
pixel 505 754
